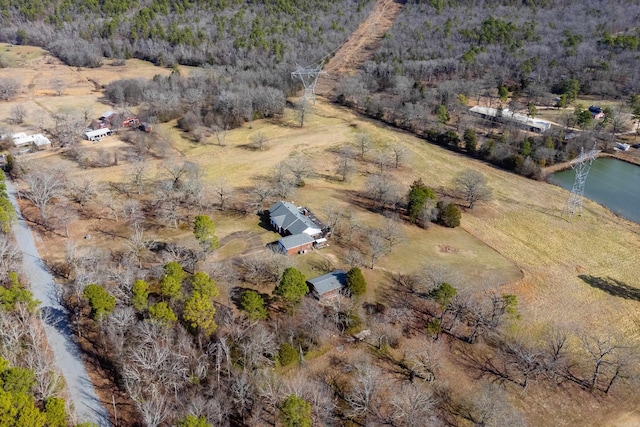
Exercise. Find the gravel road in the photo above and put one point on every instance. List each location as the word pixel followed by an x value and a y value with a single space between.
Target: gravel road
pixel 67 354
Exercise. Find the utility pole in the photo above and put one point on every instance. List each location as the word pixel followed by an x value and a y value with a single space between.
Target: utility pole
pixel 581 165
pixel 309 78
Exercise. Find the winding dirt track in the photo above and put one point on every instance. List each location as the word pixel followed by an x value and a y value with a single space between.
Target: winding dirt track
pixel 360 46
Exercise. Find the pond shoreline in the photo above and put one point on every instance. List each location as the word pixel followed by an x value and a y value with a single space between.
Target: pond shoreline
pixel 612 182
pixel 559 167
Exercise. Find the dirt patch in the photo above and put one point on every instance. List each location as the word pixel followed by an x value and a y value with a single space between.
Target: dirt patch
pixel 360 46
pixel 446 249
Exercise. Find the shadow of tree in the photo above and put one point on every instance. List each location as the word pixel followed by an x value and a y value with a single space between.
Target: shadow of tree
pixel 612 286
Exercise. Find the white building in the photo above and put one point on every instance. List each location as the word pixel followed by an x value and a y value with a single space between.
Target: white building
pixel 98 134
pixel 38 140
pixel 534 125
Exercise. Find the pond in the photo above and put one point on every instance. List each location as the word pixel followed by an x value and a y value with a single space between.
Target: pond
pixel 612 183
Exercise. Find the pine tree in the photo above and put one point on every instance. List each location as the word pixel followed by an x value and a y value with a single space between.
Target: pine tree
pixel 292 287
pixel 356 284
pixel 253 304
pixel 101 302
pixel 199 313
pixel 295 412
pixel 140 291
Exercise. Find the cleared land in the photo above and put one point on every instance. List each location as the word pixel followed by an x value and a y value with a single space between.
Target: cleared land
pixel 360 45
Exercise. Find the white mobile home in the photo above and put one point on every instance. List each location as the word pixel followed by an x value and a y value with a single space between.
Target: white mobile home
pixel 98 134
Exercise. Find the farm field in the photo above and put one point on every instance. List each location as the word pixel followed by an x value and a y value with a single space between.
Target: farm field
pixel 518 241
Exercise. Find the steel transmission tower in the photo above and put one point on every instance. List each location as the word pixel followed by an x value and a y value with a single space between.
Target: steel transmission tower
pixel 581 165
pixel 309 78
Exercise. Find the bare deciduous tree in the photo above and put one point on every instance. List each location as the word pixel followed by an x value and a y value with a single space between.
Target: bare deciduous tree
pixel 362 398
pixel 258 141
pixel 345 166
pixel 472 186
pixel 300 166
pixel 221 134
pixel 58 86
pixel 10 257
pixel 18 114
pixel 259 195
pixel 68 127
pixel 363 143
pixel 8 88
pixel 45 185
pixel 224 192
pixel 399 153
pixel 414 406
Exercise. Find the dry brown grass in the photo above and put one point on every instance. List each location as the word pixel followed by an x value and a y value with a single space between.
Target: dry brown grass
pixel 518 239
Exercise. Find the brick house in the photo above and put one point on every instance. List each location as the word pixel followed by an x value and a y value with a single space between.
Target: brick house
pixel 295 244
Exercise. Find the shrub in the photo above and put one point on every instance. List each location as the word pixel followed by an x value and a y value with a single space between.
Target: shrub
pixel 450 215
pixel 101 302
pixel 287 354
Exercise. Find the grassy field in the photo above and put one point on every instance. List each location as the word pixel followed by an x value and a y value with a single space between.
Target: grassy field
pixel 518 241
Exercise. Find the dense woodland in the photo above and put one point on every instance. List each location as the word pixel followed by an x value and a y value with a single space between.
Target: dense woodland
pixel 442 56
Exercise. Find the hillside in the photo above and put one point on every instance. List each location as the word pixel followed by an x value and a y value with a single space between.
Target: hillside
pixel 518 316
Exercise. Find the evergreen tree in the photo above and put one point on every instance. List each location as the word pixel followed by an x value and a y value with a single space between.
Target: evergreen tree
pixel 55 412
pixel 292 287
pixel 140 291
pixel 171 282
pixel 295 412
pixel 162 312
pixel 204 231
pixel 199 313
pixel 203 284
pixel 101 302
pixel 450 215
pixel 193 421
pixel 287 354
pixel 418 196
pixel 470 141
pixel 170 286
pixel 356 284
pixel 253 304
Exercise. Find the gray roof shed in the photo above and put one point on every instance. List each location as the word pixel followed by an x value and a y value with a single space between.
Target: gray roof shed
pixel 326 283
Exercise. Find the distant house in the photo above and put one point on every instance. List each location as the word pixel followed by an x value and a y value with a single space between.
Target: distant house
pixel 286 218
pixel 596 112
pixel 622 146
pixel 328 285
pixel 296 244
pixel 38 141
pixel 98 134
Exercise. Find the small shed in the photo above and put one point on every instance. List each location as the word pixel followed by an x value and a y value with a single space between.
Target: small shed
pixel 295 244
pixel 96 135
pixel 328 285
